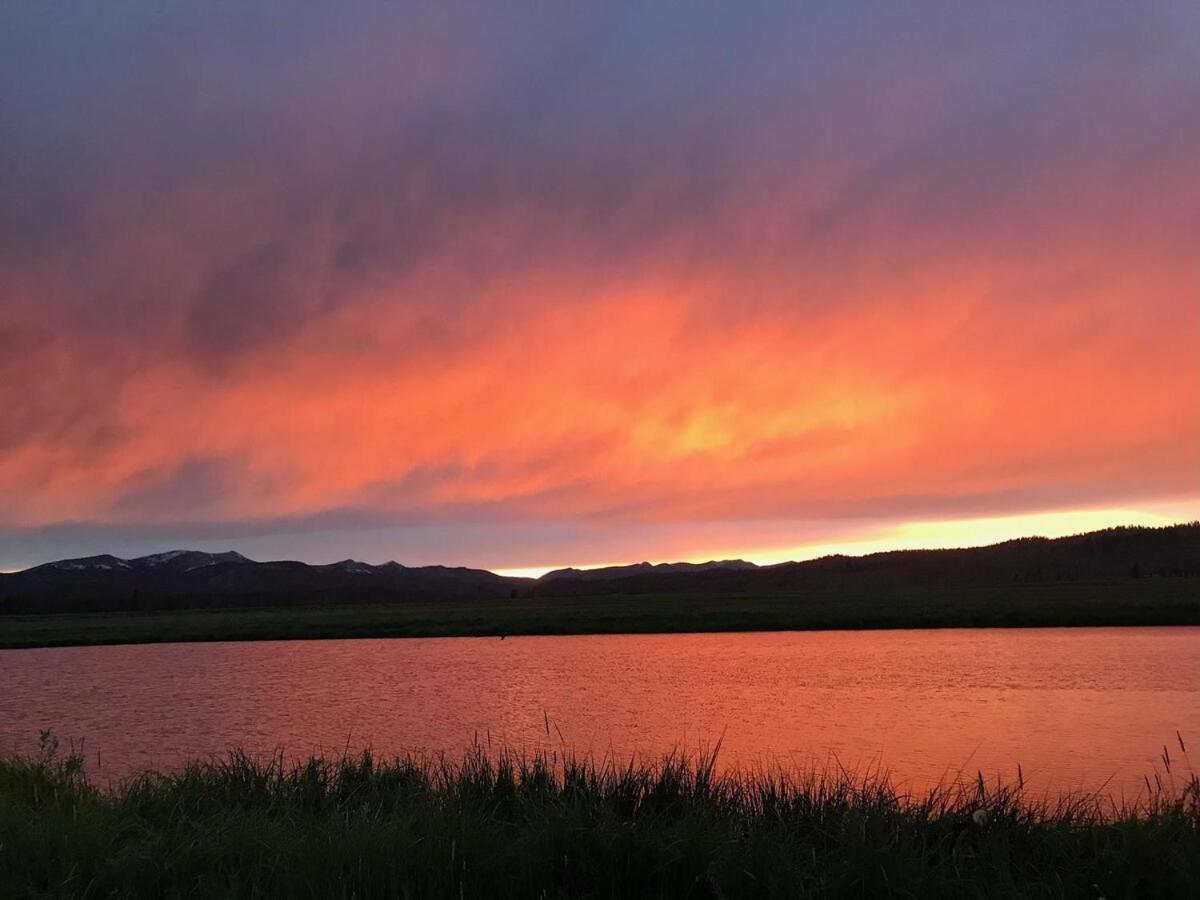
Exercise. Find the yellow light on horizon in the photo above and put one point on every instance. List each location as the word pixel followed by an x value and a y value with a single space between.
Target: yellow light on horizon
pixel 933 534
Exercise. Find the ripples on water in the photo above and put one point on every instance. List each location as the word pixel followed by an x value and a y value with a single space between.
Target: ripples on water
pixel 1077 708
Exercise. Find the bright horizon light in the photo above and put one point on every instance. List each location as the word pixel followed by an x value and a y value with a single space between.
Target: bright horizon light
pixel 765 282
pixel 932 535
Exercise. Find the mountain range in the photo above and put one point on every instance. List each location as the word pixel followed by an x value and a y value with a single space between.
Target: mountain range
pixel 185 579
pixel 196 579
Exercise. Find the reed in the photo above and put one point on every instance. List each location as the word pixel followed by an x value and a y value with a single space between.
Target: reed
pixel 507 825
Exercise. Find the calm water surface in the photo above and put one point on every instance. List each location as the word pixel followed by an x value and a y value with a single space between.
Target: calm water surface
pixel 1077 708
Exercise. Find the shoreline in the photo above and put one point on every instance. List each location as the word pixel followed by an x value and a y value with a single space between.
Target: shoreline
pixel 1151 602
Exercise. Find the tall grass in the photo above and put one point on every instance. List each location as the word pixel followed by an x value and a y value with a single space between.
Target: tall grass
pixel 507 825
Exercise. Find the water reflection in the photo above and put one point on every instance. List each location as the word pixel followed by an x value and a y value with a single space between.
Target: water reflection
pixel 1075 707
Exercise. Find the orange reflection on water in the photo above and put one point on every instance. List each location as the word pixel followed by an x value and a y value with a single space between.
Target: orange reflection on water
pixel 1075 708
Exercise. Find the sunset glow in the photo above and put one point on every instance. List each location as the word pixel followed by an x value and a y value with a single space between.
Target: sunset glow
pixel 928 535
pixel 763 287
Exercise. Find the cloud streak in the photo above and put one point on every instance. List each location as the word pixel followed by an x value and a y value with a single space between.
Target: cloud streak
pixel 595 268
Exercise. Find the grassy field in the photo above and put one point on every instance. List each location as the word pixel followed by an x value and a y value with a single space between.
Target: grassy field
pixel 1174 601
pixel 554 827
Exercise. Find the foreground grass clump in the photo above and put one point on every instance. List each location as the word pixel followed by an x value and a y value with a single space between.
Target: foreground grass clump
pixel 507 826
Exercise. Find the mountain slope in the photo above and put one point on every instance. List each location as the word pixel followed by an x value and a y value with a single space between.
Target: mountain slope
pixel 189 579
pixel 1112 553
pixel 181 579
pixel 644 568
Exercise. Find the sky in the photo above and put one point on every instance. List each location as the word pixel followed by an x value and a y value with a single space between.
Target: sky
pixel 543 284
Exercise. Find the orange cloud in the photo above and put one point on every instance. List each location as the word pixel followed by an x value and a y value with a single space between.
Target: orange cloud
pixel 380 297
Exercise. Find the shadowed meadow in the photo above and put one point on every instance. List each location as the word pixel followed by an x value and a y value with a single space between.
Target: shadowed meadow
pixel 1174 601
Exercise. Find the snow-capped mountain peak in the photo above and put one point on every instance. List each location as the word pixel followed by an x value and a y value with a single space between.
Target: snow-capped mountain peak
pixel 186 560
pixel 102 563
pixel 354 567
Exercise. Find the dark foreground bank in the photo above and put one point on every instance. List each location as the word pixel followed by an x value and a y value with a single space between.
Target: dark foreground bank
pixel 549 828
pixel 1128 602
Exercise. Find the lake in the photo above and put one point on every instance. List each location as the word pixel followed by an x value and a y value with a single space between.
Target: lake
pixel 1076 708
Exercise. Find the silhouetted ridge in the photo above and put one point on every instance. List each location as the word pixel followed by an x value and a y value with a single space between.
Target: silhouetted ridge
pixel 192 579
pixel 1127 552
pixel 645 568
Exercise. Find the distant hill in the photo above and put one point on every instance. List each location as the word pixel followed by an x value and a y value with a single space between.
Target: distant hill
pixel 183 579
pixel 1129 552
pixel 190 579
pixel 644 568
